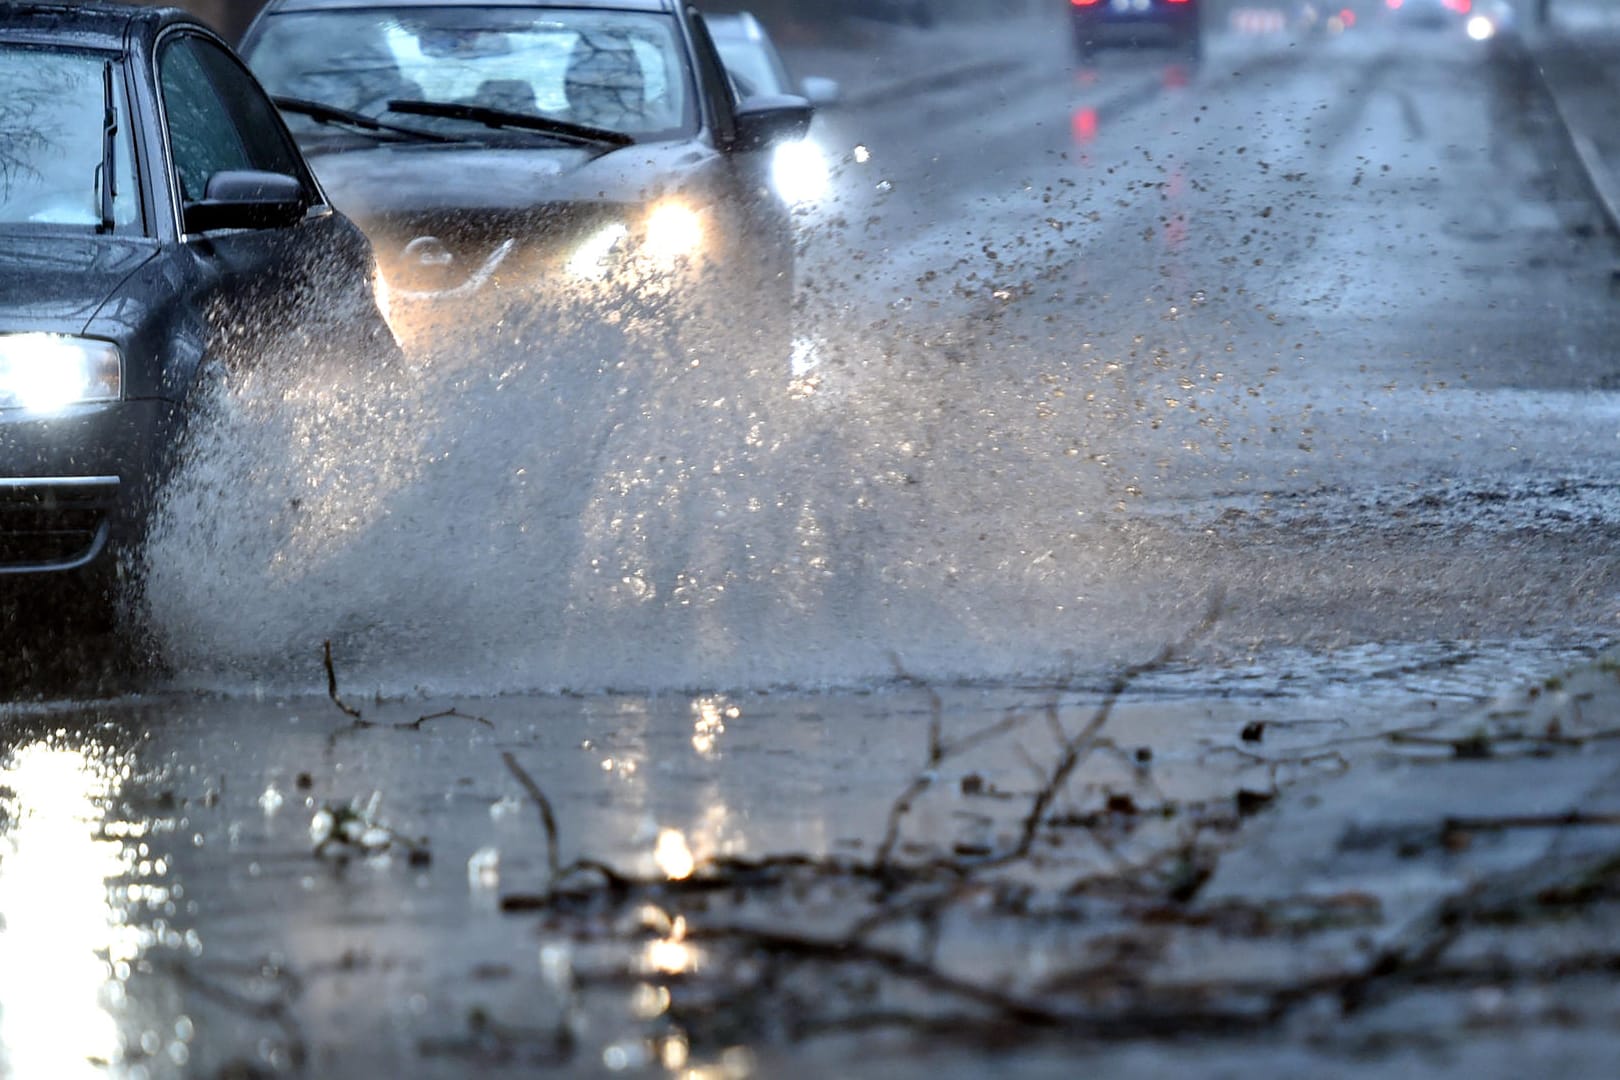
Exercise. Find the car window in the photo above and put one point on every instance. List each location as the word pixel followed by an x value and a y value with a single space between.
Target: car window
pixel 267 144
pixel 52 107
pixel 218 119
pixel 613 69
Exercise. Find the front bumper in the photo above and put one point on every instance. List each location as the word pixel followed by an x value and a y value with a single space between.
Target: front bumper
pixel 76 486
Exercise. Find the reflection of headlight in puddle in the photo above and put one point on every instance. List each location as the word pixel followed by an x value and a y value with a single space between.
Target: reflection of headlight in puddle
pixel 674 231
pixel 799 172
pixel 44 372
pixel 592 260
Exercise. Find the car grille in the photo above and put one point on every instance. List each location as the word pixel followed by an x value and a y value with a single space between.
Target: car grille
pixel 444 251
pixel 55 523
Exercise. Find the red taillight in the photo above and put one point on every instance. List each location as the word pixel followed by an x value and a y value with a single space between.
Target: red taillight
pixel 1180 1
pixel 1347 17
pixel 1085 125
pixel 1083 3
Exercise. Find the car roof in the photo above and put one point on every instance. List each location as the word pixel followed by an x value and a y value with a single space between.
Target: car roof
pixel 277 7
pixel 93 25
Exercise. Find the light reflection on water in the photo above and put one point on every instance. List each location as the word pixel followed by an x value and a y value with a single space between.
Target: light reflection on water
pixel 66 945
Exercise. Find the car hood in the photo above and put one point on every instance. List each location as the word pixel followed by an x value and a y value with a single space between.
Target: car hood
pixel 57 283
pixel 389 181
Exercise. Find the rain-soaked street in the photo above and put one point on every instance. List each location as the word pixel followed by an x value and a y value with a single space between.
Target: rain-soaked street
pixel 1162 441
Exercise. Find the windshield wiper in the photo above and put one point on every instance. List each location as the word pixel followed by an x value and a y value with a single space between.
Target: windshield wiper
pixel 330 114
pixel 582 134
pixel 109 149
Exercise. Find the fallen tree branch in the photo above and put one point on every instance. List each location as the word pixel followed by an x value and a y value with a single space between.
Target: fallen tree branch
pixel 1078 747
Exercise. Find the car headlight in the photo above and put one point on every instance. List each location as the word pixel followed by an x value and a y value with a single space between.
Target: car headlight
pixel 799 172
pixel 43 372
pixel 674 231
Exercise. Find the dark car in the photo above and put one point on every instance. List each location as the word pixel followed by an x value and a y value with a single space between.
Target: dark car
pixel 156 221
pixel 757 66
pixel 536 147
pixel 1099 24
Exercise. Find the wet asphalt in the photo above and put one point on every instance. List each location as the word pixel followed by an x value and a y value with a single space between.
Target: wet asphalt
pixel 1315 337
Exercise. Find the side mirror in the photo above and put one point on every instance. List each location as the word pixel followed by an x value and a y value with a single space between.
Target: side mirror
pixel 246 199
pixel 771 118
pixel 823 93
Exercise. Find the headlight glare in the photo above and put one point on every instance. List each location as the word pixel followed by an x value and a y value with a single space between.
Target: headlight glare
pixel 799 172
pixel 674 231
pixel 592 260
pixel 45 372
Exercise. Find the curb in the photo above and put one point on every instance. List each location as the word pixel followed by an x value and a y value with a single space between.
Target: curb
pixel 1605 187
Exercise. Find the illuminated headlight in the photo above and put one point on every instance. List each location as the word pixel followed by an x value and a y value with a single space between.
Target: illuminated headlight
pixel 799 172
pixel 674 231
pixel 593 259
pixel 43 372
pixel 1481 28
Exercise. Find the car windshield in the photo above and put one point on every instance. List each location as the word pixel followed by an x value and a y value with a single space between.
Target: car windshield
pixel 51 141
pixel 623 71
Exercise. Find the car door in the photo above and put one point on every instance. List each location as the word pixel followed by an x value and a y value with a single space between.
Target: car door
pixel 287 292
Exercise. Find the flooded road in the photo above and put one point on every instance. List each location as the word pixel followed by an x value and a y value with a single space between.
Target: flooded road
pixel 1313 341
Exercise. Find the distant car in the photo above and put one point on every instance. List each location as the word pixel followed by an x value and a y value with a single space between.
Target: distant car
pixel 546 145
pixel 1429 14
pixel 799 169
pixel 1099 24
pixel 757 66
pixel 155 216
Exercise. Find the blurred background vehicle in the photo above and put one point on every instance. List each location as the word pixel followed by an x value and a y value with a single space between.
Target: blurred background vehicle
pixel 1099 24
pixel 544 147
pixel 755 63
pixel 1430 14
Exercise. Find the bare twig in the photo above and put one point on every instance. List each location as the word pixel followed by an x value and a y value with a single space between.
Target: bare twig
pixel 939 751
pixel 1080 745
pixel 276 1010
pixel 331 685
pixel 1570 819
pixel 548 820
pixel 416 725
pixel 924 779
pixel 798 946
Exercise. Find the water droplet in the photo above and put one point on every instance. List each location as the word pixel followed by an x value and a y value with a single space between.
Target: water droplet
pixel 270 801
pixel 484 868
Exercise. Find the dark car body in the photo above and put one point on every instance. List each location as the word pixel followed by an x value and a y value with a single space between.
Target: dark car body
pixel 1099 24
pixel 493 164
pixel 215 239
